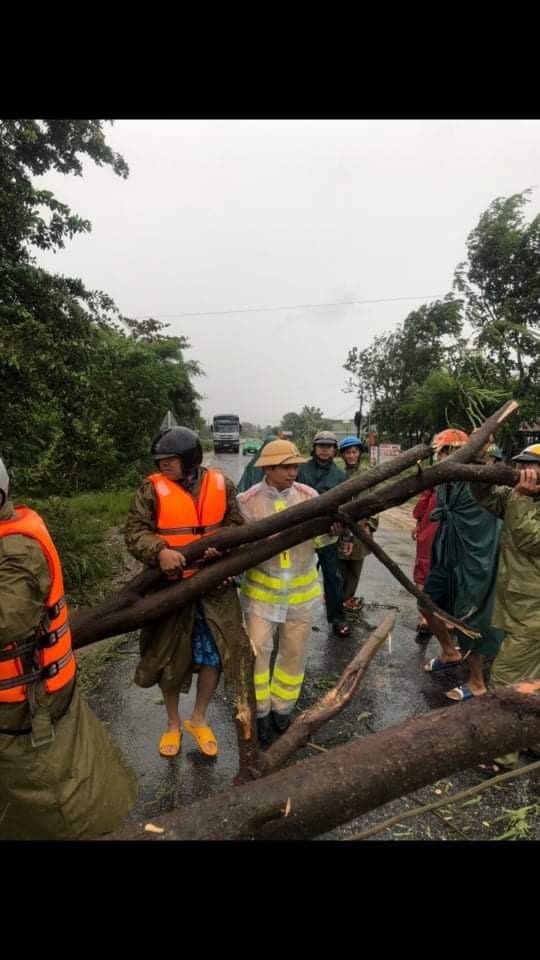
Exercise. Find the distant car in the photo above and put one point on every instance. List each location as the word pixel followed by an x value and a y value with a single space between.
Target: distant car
pixel 251 446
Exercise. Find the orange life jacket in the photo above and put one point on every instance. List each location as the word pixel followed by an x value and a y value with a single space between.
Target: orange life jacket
pixel 198 517
pixel 53 659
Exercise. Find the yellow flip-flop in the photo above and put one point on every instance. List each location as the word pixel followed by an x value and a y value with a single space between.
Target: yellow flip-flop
pixel 169 743
pixel 205 737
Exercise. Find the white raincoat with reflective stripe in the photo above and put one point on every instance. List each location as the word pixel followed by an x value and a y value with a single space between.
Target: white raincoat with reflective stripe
pixel 287 587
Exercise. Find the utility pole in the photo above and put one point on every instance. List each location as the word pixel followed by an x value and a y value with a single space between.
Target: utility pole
pixel 358 414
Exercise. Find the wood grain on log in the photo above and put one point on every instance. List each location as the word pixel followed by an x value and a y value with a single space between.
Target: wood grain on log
pixel 334 788
pixel 332 703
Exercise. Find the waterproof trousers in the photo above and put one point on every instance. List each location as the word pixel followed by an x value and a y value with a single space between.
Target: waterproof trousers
pixel 333 586
pixel 281 691
pixel 350 571
pixel 518 659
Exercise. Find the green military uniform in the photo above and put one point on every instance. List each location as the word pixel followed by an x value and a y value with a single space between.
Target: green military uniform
pixel 350 567
pixel 165 644
pixel 517 595
pixel 76 784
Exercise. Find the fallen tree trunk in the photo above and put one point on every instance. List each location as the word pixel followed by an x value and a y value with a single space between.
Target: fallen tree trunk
pixel 230 537
pixel 110 619
pixel 245 716
pixel 318 794
pixel 394 494
pixel 425 602
pixel 227 539
pixel 332 703
pixel 122 613
pixel 327 503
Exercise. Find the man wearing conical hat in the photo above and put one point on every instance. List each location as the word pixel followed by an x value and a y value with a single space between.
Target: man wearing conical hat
pixel 282 593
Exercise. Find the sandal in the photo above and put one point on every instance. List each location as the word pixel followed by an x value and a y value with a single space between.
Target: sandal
pixel 463 692
pixel 341 630
pixel 489 770
pixel 436 665
pixel 205 737
pixel 169 743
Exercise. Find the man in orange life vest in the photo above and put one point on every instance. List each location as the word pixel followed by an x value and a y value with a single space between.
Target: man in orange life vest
pixel 61 775
pixel 181 503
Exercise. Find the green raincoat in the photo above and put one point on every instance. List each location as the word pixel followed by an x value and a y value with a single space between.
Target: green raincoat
pixel 165 644
pixel 350 567
pixel 321 476
pixel 253 474
pixel 517 597
pixel 370 524
pixel 76 785
pixel 464 560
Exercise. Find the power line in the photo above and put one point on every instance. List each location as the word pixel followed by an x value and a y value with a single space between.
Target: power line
pixel 294 306
pixel 349 407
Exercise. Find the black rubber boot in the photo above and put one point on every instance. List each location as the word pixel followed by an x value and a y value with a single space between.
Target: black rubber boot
pixel 264 730
pixel 281 721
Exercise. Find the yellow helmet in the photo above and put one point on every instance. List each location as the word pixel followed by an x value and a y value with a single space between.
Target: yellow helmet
pixel 530 454
pixel 279 453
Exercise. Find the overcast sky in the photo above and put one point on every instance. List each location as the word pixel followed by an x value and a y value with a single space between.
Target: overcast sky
pixel 230 215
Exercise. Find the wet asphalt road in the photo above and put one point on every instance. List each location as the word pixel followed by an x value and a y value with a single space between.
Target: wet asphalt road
pixel 394 688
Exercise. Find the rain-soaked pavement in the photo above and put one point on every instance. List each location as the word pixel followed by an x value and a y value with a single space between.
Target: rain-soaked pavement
pixel 394 688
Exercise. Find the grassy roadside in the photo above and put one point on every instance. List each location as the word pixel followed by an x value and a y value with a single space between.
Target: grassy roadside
pixel 78 526
pixel 93 663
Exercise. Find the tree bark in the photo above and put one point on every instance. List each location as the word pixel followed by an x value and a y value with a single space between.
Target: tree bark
pixel 316 795
pixel 245 719
pixel 426 603
pixel 124 613
pixel 332 703
pixel 229 537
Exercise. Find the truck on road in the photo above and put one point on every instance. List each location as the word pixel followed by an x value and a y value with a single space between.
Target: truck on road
pixel 226 430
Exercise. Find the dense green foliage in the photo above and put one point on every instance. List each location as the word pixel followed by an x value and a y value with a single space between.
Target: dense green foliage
pixel 78 526
pixel 84 389
pixel 453 362
pixel 305 425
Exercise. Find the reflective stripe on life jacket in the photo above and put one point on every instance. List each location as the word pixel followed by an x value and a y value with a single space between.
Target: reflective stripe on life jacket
pixel 182 518
pixel 53 660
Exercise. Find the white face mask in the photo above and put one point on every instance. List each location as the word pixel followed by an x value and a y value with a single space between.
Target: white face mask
pixel 4 479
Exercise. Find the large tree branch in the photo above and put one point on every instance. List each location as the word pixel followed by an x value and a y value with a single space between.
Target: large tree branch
pixel 316 795
pixel 401 490
pixel 229 537
pixel 109 620
pixel 123 613
pixel 332 703
pixel 425 601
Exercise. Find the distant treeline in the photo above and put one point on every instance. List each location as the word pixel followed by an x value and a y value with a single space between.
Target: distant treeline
pixel 84 390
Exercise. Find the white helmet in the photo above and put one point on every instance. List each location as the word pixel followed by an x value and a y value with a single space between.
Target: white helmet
pixel 4 481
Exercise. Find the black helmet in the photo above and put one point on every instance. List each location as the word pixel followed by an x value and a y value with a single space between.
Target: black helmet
pixel 178 442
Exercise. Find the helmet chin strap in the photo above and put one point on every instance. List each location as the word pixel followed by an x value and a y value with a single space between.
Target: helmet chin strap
pixel 189 478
